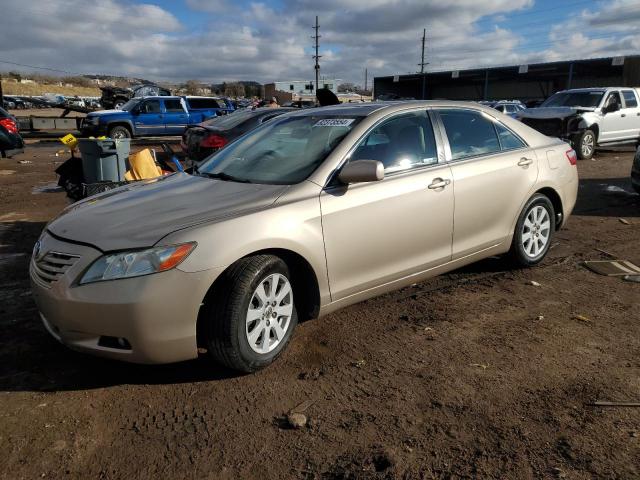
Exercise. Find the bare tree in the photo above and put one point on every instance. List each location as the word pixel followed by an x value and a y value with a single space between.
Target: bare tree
pixel 192 87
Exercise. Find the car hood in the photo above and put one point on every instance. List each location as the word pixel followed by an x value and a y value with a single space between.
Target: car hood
pixel 552 112
pixel 139 215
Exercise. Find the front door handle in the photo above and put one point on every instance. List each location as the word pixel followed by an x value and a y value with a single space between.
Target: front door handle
pixel 439 183
pixel 623 114
pixel 525 162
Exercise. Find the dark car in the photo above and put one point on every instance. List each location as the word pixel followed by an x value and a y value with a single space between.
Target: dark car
pixel 10 139
pixel 635 171
pixel 116 97
pixel 19 102
pixel 200 141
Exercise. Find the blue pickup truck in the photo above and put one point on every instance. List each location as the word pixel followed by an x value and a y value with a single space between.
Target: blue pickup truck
pixel 153 116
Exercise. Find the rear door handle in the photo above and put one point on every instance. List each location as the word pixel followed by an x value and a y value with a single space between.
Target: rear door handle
pixel 623 115
pixel 525 161
pixel 438 183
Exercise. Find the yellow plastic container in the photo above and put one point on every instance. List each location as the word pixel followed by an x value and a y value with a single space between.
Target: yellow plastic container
pixel 70 141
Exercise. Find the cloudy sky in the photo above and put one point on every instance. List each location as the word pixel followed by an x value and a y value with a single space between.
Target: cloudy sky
pixel 216 40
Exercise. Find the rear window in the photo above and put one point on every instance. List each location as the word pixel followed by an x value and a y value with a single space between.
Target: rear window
pixel 230 121
pixel 630 98
pixel 204 103
pixel 173 105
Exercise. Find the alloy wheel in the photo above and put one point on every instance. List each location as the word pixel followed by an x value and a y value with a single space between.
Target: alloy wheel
pixel 269 313
pixel 588 144
pixel 536 231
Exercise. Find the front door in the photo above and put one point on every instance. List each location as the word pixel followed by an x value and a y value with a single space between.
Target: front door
pixel 494 172
pixel 613 123
pixel 383 231
pixel 149 119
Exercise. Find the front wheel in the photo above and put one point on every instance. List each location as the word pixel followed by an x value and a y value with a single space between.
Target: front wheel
pixel 534 231
pixel 586 145
pixel 251 315
pixel 119 132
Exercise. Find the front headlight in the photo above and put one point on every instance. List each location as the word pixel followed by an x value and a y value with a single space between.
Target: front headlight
pixel 137 263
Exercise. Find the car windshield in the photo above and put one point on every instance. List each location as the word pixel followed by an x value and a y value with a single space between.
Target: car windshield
pixel 574 99
pixel 127 107
pixel 285 151
pixel 230 121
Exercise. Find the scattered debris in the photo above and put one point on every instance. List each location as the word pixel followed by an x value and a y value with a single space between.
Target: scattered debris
pixel 296 420
pixel 7 172
pixel 479 365
pixel 624 221
pixel 605 403
pixel 558 472
pixel 428 329
pixel 302 407
pixel 612 268
pixel 540 317
pixel 632 278
pixel 604 252
pixel 582 318
pixel 360 363
pixel 533 283
pixel 25 162
pixel 47 188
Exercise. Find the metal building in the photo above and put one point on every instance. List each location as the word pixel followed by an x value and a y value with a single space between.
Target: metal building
pixel 523 82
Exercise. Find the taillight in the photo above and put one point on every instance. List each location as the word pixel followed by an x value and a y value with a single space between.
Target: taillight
pixel 9 125
pixel 214 141
pixel 572 156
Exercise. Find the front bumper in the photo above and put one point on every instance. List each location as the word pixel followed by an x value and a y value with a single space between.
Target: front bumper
pixel 90 130
pixel 156 314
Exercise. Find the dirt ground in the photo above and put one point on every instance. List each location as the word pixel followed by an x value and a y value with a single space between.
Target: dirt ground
pixel 475 374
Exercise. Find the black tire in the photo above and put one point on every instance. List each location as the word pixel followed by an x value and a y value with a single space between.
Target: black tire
pixel 225 313
pixel 585 144
pixel 119 132
pixel 517 254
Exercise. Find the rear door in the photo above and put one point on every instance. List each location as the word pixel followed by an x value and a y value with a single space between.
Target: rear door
pixel 380 232
pixel 631 114
pixel 494 172
pixel 175 116
pixel 149 119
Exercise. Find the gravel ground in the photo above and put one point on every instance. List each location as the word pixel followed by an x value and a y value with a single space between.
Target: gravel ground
pixel 475 374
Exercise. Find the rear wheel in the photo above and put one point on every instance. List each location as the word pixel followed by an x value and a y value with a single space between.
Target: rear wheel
pixel 251 316
pixel 119 132
pixel 534 231
pixel 586 145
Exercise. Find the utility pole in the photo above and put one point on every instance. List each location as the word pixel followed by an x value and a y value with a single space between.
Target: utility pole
pixel 422 65
pixel 365 79
pixel 1 94
pixel 316 57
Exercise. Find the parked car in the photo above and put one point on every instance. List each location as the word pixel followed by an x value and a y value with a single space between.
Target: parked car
pixel 200 141
pixel 8 104
pixel 635 171
pixel 152 116
pixel 588 118
pixel 10 140
pixel 116 97
pixel 510 108
pixel 310 212
pixel 18 102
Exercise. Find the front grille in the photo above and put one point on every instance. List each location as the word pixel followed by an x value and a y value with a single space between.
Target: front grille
pixel 52 266
pixel 551 127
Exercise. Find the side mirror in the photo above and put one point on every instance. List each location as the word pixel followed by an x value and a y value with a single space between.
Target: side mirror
pixel 362 171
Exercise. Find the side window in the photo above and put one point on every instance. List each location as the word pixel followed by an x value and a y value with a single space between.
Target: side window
pixel 630 98
pixel 614 97
pixel 203 103
pixel 508 140
pixel 400 143
pixel 470 133
pixel 150 106
pixel 173 105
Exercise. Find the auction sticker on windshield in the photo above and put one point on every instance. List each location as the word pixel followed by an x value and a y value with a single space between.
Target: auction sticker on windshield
pixel 334 122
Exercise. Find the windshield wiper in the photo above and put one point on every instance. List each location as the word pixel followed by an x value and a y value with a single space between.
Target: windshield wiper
pixel 225 177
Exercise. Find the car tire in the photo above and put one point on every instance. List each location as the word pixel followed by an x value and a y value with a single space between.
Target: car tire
pixel 240 329
pixel 534 232
pixel 585 145
pixel 119 132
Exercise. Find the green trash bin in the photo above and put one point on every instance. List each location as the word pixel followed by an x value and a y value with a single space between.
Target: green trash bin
pixel 104 160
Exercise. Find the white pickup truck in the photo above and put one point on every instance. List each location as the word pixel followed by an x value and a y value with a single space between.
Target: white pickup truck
pixel 589 117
